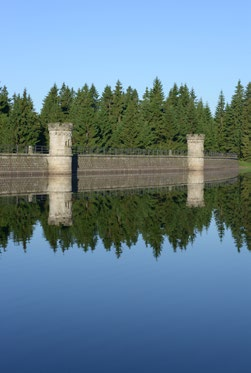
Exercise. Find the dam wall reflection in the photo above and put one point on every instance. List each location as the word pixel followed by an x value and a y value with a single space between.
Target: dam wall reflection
pixel 60 188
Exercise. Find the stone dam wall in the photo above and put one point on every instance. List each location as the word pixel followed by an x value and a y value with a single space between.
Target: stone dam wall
pixel 216 163
pixel 23 164
pixel 121 164
pixel 61 161
pixel 35 164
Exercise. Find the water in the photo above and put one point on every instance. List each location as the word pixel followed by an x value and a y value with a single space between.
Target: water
pixel 138 282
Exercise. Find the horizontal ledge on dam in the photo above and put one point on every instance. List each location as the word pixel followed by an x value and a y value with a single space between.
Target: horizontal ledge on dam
pixel 128 171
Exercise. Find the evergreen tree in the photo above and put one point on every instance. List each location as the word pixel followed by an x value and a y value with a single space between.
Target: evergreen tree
pixel 228 130
pixel 104 119
pixel 83 114
pixel 66 96
pixel 235 120
pixel 51 111
pixel 5 104
pixel 5 108
pixel 186 116
pixel 220 122
pixel 246 127
pixel 170 108
pixel 206 126
pixel 24 121
pixel 117 112
pixel 129 130
pixel 156 115
pixel 147 136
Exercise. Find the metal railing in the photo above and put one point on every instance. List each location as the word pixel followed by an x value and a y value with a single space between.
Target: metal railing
pixel 220 155
pixel 40 149
pixel 24 149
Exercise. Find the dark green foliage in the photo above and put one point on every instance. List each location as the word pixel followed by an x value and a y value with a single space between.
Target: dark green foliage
pixel 5 108
pixel 184 115
pixel 121 119
pixel 207 126
pixel 24 123
pixel 56 108
pixel 235 121
pixel 5 104
pixel 50 111
pixel 131 131
pixel 156 116
pixel 118 218
pixel 220 122
pixel 83 114
pixel 66 97
pixel 17 219
pixel 246 126
pixel 104 119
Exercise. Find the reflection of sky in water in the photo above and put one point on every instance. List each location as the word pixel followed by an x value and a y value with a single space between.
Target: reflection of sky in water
pixel 78 311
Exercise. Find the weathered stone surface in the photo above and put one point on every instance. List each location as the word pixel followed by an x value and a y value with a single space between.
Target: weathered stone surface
pixel 195 156
pixel 94 164
pixel 220 163
pixel 60 158
pixel 23 164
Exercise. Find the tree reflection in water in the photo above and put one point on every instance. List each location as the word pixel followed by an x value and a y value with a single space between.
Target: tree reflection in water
pixel 118 218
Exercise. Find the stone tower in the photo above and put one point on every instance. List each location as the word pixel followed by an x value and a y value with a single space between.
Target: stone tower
pixel 60 157
pixel 195 156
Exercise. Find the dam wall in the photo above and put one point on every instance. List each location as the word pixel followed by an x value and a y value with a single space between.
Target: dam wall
pixel 61 160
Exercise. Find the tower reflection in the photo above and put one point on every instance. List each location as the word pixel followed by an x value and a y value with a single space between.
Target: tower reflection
pixel 195 189
pixel 60 200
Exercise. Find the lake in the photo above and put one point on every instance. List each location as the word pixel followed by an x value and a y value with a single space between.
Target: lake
pixel 138 280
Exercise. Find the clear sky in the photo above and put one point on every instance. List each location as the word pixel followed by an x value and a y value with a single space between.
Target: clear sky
pixel 204 44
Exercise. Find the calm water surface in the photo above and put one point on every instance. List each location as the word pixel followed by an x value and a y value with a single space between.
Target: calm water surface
pixel 139 282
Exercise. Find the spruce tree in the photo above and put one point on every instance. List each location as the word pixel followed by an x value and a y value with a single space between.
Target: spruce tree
pixel 66 96
pixel 186 116
pixel 156 115
pixel 171 117
pixel 228 145
pixel 246 127
pixel 51 111
pixel 104 119
pixel 83 114
pixel 220 122
pixel 5 108
pixel 5 104
pixel 209 129
pixel 24 121
pixel 129 129
pixel 235 120
pixel 117 112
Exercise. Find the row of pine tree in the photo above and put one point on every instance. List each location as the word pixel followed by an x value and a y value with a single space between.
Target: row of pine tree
pixel 120 119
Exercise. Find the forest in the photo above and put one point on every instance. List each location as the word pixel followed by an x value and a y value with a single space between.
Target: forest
pixel 119 118
pixel 118 218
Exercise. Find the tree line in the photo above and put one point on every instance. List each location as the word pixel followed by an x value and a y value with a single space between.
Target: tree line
pixel 119 218
pixel 120 119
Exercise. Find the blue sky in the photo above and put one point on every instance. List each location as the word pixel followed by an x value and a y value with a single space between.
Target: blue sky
pixel 205 44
